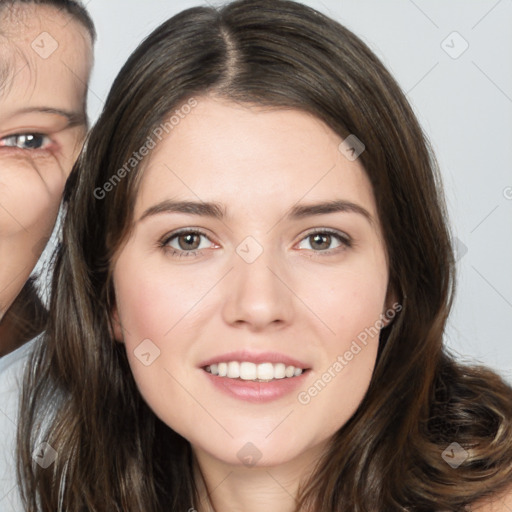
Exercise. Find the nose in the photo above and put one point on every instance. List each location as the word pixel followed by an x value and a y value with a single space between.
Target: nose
pixel 257 296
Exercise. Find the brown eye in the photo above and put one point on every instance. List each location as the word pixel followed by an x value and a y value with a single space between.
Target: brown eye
pixel 320 241
pixel 189 241
pixel 323 241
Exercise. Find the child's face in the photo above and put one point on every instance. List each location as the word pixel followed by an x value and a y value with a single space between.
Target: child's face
pixel 238 254
pixel 45 61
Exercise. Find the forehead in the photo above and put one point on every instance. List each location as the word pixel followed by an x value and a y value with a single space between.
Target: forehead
pixel 44 53
pixel 251 157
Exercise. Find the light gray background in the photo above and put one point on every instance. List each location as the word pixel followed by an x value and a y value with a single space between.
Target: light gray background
pixel 464 104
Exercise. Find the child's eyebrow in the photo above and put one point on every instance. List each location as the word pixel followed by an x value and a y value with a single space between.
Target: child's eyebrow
pixel 74 118
pixel 216 211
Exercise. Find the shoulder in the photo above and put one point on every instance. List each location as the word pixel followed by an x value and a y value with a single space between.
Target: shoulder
pixel 12 367
pixel 11 377
pixel 11 370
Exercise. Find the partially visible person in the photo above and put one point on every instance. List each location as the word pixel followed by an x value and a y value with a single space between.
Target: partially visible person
pixel 45 63
pixel 46 55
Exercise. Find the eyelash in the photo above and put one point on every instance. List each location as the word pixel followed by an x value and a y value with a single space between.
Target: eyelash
pixel 45 147
pixel 180 253
pixel 345 242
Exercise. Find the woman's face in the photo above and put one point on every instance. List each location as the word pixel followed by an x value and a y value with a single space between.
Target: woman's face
pixel 257 247
pixel 45 61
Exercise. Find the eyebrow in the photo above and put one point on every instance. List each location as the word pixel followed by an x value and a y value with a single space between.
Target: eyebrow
pixel 74 118
pixel 325 208
pixel 191 207
pixel 216 211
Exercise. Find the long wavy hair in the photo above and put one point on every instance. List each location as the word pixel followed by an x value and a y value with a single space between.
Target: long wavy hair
pixel 80 397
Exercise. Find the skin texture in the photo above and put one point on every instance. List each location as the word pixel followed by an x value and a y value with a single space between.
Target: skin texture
pixel 295 299
pixel 32 87
pixel 502 502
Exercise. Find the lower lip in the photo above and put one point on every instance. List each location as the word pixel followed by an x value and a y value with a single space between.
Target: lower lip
pixel 257 392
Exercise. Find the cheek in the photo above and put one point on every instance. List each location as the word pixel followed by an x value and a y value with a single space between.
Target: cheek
pixel 152 301
pixel 359 301
pixel 352 306
pixel 349 300
pixel 31 194
pixel 157 320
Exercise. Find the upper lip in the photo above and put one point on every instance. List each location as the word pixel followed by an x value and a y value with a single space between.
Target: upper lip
pixel 254 357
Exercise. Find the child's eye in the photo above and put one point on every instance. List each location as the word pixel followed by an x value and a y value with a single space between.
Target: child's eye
pixel 324 241
pixel 26 141
pixel 186 241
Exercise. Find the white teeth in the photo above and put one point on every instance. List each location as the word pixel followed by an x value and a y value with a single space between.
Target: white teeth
pixel 233 370
pixel 246 370
pixel 289 371
pixel 279 371
pixel 266 371
pixel 223 369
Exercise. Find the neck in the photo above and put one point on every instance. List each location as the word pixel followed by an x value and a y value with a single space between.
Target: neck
pixel 237 488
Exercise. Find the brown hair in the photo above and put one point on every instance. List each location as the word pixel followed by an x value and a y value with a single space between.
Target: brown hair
pixel 388 456
pixel 24 320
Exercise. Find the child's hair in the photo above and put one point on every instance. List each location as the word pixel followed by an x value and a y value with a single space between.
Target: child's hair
pixel 113 452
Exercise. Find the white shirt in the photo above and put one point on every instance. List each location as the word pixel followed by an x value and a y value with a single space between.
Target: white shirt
pixel 11 377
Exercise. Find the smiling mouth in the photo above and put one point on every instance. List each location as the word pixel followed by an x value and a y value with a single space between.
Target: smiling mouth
pixel 245 370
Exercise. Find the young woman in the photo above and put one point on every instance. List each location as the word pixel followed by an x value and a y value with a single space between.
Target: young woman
pixel 45 62
pixel 249 302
